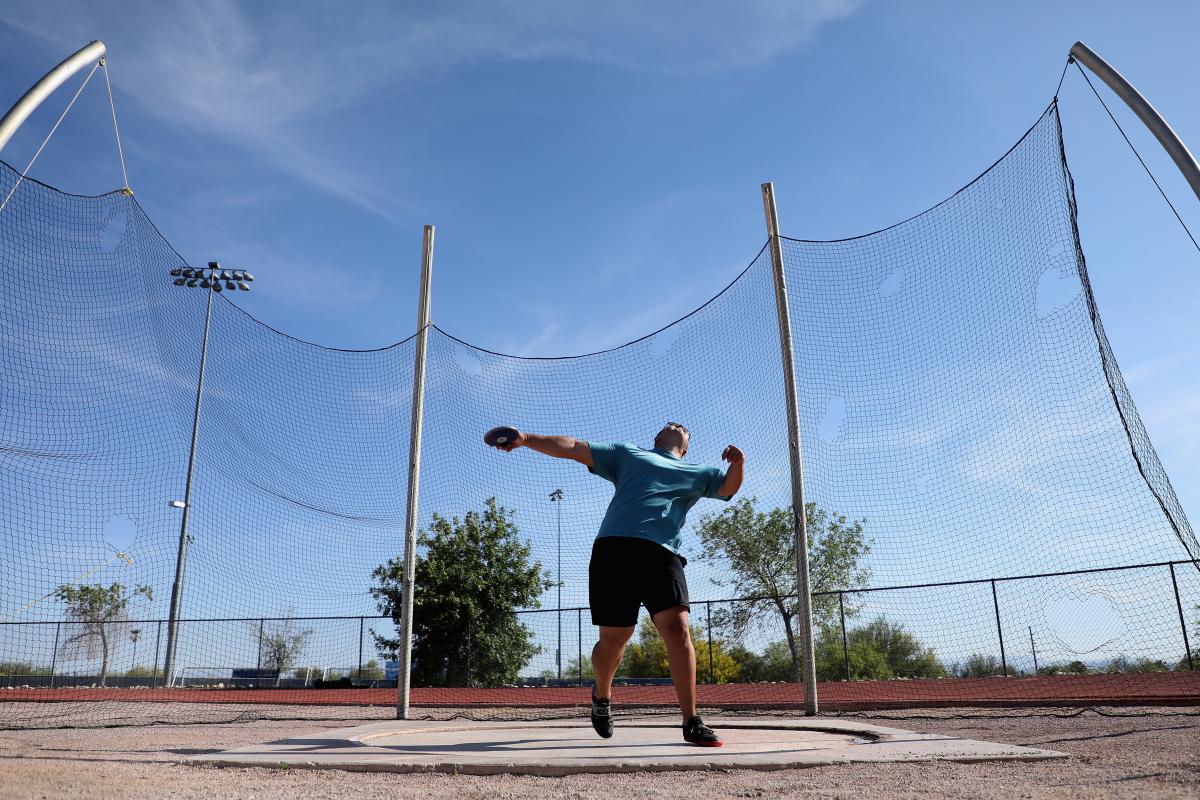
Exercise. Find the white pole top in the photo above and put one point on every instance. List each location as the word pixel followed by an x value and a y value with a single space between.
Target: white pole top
pixel 46 86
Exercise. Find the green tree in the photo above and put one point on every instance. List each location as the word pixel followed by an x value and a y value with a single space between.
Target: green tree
pixel 471 578
pixel 1123 663
pixel 760 551
pixel 142 672
pixel 16 668
pixel 647 657
pixel 572 670
pixel 772 665
pixel 880 650
pixel 979 665
pixel 282 645
pixel 370 671
pixel 101 611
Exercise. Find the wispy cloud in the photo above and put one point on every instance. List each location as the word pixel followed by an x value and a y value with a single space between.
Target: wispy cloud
pixel 255 74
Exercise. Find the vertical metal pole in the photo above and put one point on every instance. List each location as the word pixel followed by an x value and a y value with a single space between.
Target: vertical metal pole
pixel 803 582
pixel 579 640
pixel 54 655
pixel 469 631
pixel 258 666
pixel 558 652
pixel 1033 647
pixel 708 625
pixel 403 684
pixel 157 642
pixel 845 640
pixel 999 630
pixel 361 625
pixel 181 555
pixel 1187 647
pixel 104 655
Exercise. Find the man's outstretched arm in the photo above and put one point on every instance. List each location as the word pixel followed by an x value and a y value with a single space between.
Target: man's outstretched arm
pixel 733 477
pixel 556 446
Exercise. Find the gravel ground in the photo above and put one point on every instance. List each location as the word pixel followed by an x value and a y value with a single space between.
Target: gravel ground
pixel 1139 753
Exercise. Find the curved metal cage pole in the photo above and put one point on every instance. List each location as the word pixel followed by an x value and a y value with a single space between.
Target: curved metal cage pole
pixel 1149 116
pixel 46 86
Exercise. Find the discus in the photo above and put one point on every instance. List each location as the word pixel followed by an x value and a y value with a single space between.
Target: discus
pixel 500 437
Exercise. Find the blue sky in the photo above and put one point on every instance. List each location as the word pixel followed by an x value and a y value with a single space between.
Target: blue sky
pixel 598 165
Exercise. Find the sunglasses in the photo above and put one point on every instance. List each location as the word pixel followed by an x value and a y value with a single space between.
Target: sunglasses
pixel 677 425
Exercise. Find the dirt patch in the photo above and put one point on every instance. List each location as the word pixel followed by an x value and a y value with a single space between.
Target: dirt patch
pixel 1135 753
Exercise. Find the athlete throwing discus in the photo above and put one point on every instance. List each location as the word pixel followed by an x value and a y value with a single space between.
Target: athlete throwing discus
pixel 635 558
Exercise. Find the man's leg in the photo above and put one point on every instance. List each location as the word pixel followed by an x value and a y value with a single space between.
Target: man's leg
pixel 606 657
pixel 672 624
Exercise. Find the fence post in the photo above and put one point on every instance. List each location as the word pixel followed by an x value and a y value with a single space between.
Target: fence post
pixel 1033 647
pixel 999 630
pixel 54 655
pixel 361 625
pixel 1187 647
pixel 579 640
pixel 258 666
pixel 469 622
pixel 708 623
pixel 845 641
pixel 157 642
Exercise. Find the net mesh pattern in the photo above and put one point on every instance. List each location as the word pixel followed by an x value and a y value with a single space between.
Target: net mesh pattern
pixel 1018 541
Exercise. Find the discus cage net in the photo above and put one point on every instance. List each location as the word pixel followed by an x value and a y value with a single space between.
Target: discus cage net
pixel 989 524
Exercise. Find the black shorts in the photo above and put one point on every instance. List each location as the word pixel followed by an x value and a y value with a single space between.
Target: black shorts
pixel 627 572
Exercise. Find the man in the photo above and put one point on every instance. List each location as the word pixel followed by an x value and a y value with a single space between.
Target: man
pixel 635 558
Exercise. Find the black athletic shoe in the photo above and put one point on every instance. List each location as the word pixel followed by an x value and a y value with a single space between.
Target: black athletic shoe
pixel 697 733
pixel 602 716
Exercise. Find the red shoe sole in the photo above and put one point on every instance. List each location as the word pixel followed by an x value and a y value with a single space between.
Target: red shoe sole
pixel 707 744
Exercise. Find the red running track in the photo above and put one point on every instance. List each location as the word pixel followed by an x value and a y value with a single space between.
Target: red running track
pixel 1172 688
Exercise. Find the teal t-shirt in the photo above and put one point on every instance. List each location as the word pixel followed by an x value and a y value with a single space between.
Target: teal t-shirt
pixel 654 491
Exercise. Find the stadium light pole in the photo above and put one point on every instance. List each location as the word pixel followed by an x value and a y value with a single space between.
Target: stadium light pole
pixel 212 279
pixel 556 497
pixel 803 582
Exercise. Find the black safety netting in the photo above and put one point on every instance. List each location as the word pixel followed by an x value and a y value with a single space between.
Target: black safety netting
pixel 989 524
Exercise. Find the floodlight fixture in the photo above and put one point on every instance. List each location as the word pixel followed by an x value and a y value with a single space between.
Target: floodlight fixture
pixel 212 277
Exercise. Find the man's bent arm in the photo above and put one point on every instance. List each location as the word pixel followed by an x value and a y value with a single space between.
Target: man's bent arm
pixel 558 447
pixel 733 476
pixel 733 480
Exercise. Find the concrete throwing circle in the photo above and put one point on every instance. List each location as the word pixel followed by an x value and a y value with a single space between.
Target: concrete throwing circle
pixel 577 748
pixel 563 747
